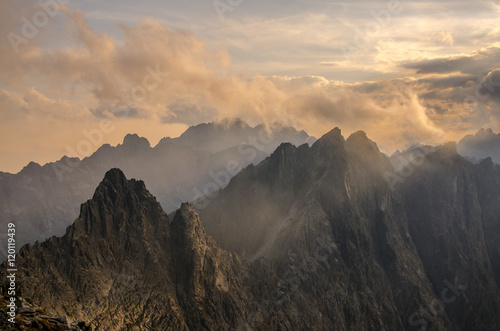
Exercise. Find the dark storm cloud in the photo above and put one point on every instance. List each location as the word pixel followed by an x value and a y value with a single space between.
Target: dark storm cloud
pixel 490 86
pixel 483 88
pixel 479 63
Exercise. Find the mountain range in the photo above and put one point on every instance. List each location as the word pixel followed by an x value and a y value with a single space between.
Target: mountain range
pixel 323 237
pixel 43 200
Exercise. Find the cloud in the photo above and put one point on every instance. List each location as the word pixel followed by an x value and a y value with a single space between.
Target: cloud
pixel 448 81
pixel 155 80
pixel 463 103
pixel 490 86
pixel 33 104
pixel 36 127
pixel 439 38
pixel 477 63
pixel 148 74
pixel 392 116
pixel 188 113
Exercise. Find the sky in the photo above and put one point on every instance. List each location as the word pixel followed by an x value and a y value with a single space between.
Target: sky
pixel 75 74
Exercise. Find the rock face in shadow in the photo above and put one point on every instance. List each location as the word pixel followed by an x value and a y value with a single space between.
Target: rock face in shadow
pixel 311 238
pixel 402 249
pixel 488 182
pixel 449 207
pixel 122 264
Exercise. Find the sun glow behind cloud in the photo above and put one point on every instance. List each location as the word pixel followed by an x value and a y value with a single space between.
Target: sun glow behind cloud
pixel 413 80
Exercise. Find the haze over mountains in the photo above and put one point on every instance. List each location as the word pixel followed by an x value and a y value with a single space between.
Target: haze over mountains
pixel 313 237
pixel 485 143
pixel 43 200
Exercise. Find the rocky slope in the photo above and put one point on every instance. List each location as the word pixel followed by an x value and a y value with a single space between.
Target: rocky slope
pixel 123 265
pixel 30 317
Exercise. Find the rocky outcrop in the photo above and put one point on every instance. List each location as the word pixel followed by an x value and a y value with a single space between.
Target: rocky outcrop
pixel 122 264
pixel 30 317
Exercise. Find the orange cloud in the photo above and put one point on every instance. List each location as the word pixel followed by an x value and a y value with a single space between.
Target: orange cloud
pixel 163 79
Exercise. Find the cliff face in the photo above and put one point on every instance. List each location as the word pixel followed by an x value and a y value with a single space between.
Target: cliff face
pixel 311 238
pixel 123 264
pixel 488 182
pixel 449 207
pixel 402 249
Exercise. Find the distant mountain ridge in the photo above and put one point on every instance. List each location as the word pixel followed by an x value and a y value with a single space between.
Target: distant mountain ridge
pixel 42 200
pixel 484 143
pixel 473 147
pixel 217 136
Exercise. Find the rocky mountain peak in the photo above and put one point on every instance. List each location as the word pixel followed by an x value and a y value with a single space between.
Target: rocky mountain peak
pixel 487 162
pixel 31 169
pixel 485 133
pixel 367 152
pixel 166 141
pixel 485 143
pixel 331 140
pixel 360 134
pixel 115 186
pixel 448 149
pixel 186 215
pixel 114 177
pixel 133 141
pixel 360 141
pixel 103 150
pixel 187 225
pixel 333 135
pixel 233 123
pixel 70 160
pixel 119 205
pixel 283 151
